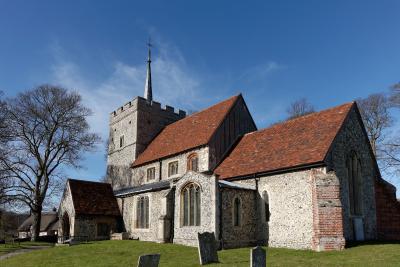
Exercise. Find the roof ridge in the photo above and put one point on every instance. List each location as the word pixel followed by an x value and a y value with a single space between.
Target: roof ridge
pixel 205 109
pixel 302 117
pixel 85 181
pixel 319 112
pixel 300 142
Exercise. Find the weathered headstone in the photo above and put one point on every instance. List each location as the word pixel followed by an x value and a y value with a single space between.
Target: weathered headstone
pixel 258 257
pixel 207 248
pixel 149 260
pixel 73 242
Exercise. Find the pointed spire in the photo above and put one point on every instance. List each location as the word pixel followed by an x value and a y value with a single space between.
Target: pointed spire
pixel 148 90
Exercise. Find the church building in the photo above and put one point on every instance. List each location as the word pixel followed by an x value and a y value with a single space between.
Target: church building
pixel 307 183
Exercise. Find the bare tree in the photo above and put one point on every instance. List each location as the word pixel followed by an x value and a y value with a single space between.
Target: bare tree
pixel 395 95
pixel 4 138
pixel 48 130
pixel 376 116
pixel 378 121
pixel 299 108
pixel 392 153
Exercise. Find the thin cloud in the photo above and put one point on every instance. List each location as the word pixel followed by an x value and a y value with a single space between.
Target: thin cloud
pixel 261 71
pixel 172 84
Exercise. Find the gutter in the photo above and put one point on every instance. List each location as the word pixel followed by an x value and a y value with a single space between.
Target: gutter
pixel 275 172
pixel 220 217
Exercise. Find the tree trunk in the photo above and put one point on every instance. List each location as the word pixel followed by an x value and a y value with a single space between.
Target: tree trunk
pixel 37 217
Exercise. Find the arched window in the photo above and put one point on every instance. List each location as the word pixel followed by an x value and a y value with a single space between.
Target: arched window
pixel 355 184
pixel 142 212
pixel 193 162
pixel 65 226
pixel 267 213
pixel 190 205
pixel 237 212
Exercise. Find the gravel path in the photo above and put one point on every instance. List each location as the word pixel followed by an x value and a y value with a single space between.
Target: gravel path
pixel 22 251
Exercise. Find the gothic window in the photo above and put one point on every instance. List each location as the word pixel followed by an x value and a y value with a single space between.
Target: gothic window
pixel 267 213
pixel 193 162
pixel 237 212
pixel 355 184
pixel 121 141
pixel 142 212
pixel 190 205
pixel 151 173
pixel 103 229
pixel 172 168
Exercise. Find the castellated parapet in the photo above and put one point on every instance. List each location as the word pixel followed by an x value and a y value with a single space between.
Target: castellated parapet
pixel 132 127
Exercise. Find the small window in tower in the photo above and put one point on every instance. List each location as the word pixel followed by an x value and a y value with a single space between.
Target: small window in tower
pixel 172 168
pixel 121 141
pixel 151 173
pixel 267 212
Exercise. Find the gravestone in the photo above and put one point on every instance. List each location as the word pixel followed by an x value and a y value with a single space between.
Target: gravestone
pixel 207 248
pixel 149 260
pixel 258 257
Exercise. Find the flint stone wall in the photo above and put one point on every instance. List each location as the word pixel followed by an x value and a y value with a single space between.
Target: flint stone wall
pixel 139 122
pixel 352 139
pixel 187 235
pixel 244 234
pixel 66 207
pixel 290 203
pixel 82 225
pixel 139 174
pixel 86 226
pixel 156 210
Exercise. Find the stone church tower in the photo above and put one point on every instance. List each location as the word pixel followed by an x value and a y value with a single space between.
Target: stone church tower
pixel 132 127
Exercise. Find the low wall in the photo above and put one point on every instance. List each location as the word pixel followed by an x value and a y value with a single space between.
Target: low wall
pixel 387 211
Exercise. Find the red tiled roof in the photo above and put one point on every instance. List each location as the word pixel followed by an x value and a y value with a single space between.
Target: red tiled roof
pixel 297 142
pixel 93 198
pixel 190 132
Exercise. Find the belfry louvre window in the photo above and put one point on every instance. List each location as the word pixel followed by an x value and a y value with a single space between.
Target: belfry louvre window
pixel 172 168
pixel 142 212
pixel 237 212
pixel 190 205
pixel 193 163
pixel 121 141
pixel 151 173
pixel 355 184
pixel 266 206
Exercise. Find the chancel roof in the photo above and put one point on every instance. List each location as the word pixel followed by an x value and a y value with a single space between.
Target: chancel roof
pixel 294 143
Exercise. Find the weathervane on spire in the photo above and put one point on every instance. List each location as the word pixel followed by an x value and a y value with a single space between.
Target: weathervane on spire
pixel 148 90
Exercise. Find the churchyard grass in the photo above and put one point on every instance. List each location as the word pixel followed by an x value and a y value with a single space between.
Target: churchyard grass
pixel 10 247
pixel 126 253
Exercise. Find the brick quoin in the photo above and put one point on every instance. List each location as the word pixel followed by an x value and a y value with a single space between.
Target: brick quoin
pixel 387 211
pixel 327 213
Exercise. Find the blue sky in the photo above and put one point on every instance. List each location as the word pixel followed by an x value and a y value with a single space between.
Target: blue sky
pixel 273 52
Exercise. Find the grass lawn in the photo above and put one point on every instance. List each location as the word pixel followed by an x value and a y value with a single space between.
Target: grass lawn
pixel 126 253
pixel 12 247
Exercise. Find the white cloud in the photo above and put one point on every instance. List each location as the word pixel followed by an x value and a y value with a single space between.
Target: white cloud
pixel 261 71
pixel 173 84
